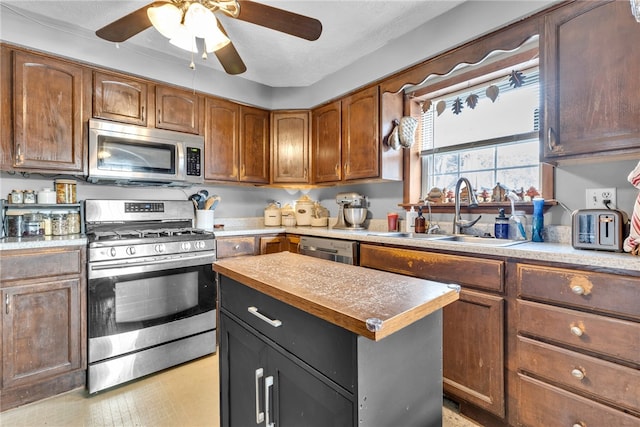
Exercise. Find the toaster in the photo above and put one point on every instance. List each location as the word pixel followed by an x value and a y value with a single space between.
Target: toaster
pixel 599 229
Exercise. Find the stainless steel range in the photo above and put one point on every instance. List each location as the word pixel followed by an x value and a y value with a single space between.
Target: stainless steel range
pixel 152 292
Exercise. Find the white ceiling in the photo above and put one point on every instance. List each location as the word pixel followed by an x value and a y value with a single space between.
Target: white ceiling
pixel 351 30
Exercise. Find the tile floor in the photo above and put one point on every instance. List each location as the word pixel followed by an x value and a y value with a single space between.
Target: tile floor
pixel 186 396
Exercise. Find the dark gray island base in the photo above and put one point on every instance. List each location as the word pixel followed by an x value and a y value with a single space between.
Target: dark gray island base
pixel 295 349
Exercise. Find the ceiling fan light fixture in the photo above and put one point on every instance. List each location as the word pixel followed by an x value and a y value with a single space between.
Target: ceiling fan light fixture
pixel 198 19
pixel 183 39
pixel 635 9
pixel 215 39
pixel 166 19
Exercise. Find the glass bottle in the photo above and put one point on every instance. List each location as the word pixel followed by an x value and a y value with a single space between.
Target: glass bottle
pixel 59 224
pixel 501 227
pixel 518 226
pixel 420 224
pixel 73 222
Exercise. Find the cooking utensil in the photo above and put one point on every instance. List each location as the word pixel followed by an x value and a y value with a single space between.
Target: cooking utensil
pixel 212 202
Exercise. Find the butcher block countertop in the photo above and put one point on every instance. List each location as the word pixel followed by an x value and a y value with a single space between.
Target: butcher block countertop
pixel 347 296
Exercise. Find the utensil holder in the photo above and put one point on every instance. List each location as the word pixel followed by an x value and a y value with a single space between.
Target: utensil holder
pixel 204 219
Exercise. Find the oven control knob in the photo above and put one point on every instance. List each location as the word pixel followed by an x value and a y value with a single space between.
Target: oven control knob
pixel 112 252
pixel 200 244
pixel 185 246
pixel 160 248
pixel 131 250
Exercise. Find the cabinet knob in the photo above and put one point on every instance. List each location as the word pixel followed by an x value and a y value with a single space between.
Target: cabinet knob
pixel 578 373
pixel 236 247
pixel 579 424
pixel 577 289
pixel 577 331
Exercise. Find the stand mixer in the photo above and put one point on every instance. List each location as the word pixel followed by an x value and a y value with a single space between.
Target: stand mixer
pixel 352 211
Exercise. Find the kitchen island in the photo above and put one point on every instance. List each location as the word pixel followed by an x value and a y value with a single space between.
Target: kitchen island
pixel 305 341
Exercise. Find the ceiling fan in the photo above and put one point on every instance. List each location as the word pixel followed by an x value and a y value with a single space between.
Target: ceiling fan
pixel 182 21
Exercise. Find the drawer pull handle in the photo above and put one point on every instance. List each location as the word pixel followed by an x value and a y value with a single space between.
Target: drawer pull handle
pixel 254 310
pixel 579 424
pixel 268 383
pixel 236 247
pixel 577 331
pixel 577 373
pixel 259 414
pixel 578 290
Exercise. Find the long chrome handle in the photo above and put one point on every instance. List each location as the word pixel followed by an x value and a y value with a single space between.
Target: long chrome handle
pixel 6 303
pixel 551 139
pixel 273 322
pixel 259 414
pixel 268 383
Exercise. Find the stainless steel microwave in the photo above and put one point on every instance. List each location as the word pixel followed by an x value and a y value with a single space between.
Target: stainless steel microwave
pixel 122 154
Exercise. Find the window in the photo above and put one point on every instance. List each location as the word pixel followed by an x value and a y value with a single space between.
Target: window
pixel 486 132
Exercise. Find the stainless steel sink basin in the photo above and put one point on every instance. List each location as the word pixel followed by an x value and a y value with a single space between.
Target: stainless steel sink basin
pixel 457 238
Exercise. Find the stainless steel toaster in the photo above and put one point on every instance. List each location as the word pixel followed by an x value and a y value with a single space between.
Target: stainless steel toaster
pixel 600 229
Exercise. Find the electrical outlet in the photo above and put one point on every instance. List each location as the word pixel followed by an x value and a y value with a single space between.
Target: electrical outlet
pixel 595 198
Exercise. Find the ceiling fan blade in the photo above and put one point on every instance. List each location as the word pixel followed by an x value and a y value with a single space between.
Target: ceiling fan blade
pixel 127 26
pixel 280 20
pixel 229 57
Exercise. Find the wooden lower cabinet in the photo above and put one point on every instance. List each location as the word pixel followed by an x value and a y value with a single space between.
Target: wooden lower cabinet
pixel 473 338
pixel 230 246
pixel 272 244
pixel 43 323
pixel 578 347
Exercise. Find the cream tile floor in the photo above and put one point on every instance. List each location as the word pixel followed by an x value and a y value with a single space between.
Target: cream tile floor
pixel 186 396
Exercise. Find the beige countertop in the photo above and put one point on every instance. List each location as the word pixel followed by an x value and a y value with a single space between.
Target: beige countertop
pixel 10 243
pixel 345 295
pixel 531 251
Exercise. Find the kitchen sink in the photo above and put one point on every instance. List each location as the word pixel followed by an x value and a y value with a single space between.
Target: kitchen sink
pixel 455 238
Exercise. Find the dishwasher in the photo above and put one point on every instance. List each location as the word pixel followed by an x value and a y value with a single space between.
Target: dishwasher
pixel 344 251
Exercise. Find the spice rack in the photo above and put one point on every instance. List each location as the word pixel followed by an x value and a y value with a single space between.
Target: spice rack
pixel 38 207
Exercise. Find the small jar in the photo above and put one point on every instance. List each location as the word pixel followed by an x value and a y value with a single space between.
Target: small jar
pixel 33 225
pixel 46 196
pixel 29 196
pixel 73 222
pixel 65 191
pixel 46 222
pixel 518 226
pixel 15 197
pixel 14 224
pixel 59 225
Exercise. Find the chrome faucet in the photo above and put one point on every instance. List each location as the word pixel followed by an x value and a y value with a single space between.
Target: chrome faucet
pixel 458 223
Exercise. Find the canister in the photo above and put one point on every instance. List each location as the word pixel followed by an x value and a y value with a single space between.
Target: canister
pixel 46 196
pixel 29 196
pixel 46 221
pixel 272 216
pixel 33 225
pixel 14 224
pixel 65 191
pixel 73 222
pixel 59 225
pixel 304 208
pixel 15 197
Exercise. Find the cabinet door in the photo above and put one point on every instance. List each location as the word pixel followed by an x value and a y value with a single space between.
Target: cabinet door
pixel 293 243
pixel 48 106
pixel 327 143
pixel 221 140
pixel 119 98
pixel 243 360
pixel 41 331
pixel 300 398
pixel 591 50
pixel 177 109
pixel 473 350
pixel 254 145
pixel 272 244
pixel 290 147
pixel 360 135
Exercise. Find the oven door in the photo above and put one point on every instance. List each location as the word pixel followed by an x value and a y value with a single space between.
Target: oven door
pixel 136 307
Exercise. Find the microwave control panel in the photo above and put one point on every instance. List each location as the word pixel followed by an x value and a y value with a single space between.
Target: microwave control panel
pixel 194 161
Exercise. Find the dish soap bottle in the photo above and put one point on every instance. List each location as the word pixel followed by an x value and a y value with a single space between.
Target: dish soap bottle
pixel 501 227
pixel 410 223
pixel 420 223
pixel 538 220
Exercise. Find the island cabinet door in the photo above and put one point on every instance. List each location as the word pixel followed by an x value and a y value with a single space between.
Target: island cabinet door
pixel 261 386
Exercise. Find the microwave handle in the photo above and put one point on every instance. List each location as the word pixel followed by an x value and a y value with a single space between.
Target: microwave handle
pixel 182 167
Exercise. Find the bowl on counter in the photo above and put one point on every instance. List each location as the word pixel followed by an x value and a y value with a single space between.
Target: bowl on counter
pixel 355 216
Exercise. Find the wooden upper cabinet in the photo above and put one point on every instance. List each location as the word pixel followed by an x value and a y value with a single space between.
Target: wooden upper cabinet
pixel 327 143
pixel 361 135
pixel 590 59
pixel 177 109
pixel 120 98
pixel 49 103
pixel 221 140
pixel 290 147
pixel 254 158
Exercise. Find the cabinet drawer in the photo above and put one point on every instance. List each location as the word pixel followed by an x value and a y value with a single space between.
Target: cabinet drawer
pixel 541 404
pixel 606 293
pixel 235 246
pixel 33 264
pixel 619 339
pixel 619 385
pixel 478 272
pixel 327 347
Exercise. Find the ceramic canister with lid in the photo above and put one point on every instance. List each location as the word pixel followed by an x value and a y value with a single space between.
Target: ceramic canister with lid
pixel 272 215
pixel 46 196
pixel 303 211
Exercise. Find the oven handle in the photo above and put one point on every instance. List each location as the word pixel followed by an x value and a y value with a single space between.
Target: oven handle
pixel 113 268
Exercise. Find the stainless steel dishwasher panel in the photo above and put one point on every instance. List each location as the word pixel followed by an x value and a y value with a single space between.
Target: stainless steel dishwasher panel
pixel 344 251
